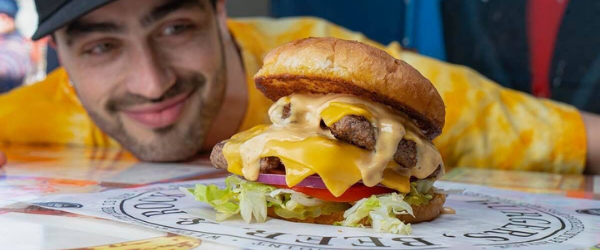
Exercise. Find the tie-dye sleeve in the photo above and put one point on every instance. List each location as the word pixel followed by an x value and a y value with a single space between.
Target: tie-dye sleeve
pixel 488 126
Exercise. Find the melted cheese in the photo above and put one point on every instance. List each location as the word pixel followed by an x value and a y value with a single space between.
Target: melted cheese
pixel 231 150
pixel 319 154
pixel 337 110
pixel 305 148
pixel 448 210
pixel 427 157
pixel 394 180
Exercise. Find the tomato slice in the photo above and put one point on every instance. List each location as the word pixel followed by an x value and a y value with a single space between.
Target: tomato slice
pixel 354 193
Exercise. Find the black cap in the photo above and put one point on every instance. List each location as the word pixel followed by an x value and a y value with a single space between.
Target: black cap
pixel 54 14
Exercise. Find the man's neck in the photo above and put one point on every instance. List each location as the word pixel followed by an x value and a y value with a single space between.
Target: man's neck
pixel 235 102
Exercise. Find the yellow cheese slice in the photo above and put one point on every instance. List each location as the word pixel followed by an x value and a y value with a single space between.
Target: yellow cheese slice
pixel 295 172
pixel 335 162
pixel 337 110
pixel 393 180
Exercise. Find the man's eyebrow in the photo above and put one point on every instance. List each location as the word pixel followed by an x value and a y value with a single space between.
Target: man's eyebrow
pixel 168 8
pixel 81 28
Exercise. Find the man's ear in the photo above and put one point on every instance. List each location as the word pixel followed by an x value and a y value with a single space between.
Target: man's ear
pixel 220 7
pixel 53 44
pixel 221 14
pixel 52 41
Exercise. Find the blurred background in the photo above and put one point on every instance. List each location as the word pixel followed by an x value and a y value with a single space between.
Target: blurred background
pixel 548 48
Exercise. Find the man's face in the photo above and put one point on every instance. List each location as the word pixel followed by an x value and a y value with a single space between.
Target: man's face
pixel 150 73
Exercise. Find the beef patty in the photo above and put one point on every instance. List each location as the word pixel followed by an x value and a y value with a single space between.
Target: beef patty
pixel 352 129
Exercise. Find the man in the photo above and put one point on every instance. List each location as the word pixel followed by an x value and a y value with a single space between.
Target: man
pixel 167 79
pixel 15 61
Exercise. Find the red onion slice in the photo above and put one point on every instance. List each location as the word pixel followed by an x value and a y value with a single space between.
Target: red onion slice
pixel 313 181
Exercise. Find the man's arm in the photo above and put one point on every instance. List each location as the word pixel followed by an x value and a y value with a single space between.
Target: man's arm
pixel 592 126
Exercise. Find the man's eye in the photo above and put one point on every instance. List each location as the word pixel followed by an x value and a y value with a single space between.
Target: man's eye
pixel 176 29
pixel 100 48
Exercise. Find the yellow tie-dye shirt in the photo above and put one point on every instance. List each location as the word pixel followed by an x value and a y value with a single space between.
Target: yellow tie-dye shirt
pixel 487 126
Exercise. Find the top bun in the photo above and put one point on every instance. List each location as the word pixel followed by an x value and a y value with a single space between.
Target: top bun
pixel 330 65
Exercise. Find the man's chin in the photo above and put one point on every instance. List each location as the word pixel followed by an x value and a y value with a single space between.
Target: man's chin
pixel 166 144
pixel 162 153
pixel 163 158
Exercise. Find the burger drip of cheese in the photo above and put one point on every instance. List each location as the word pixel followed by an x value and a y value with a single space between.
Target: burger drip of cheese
pixel 305 147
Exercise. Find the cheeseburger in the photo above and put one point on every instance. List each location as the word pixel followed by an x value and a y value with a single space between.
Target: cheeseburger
pixel 349 144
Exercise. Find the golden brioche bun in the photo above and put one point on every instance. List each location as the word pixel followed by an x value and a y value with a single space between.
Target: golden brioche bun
pixel 330 65
pixel 422 213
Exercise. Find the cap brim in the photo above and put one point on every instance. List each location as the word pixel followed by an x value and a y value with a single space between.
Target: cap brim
pixel 66 14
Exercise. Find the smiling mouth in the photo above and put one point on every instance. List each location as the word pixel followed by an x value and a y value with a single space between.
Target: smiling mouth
pixel 159 115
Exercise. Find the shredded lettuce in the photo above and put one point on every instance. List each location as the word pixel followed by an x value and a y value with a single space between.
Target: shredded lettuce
pixel 300 206
pixel 251 196
pixel 421 192
pixel 219 199
pixel 381 211
pixel 239 197
pixel 303 212
pixel 251 200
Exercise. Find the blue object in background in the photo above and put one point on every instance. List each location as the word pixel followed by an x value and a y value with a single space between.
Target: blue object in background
pixel 424 30
pixel 416 24
pixel 380 20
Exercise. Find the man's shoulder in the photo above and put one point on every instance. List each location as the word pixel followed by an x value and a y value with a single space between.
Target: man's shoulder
pixel 271 32
pixel 56 84
pixel 268 21
pixel 259 35
pixel 47 112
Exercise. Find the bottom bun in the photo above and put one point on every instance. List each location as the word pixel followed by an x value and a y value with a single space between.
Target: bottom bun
pixel 422 213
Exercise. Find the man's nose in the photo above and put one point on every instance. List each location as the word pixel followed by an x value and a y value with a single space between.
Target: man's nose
pixel 150 76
